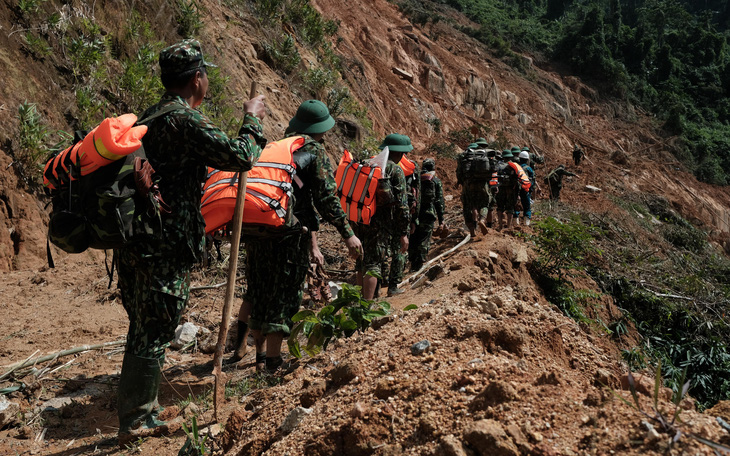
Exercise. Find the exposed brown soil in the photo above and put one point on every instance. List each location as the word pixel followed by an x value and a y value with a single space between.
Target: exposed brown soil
pixel 507 373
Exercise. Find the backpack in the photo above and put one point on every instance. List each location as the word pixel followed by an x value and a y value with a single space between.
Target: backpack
pixel 269 204
pixel 428 187
pixel 104 192
pixel 474 164
pixel 357 186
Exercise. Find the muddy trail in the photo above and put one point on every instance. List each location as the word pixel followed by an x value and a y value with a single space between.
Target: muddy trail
pixel 483 365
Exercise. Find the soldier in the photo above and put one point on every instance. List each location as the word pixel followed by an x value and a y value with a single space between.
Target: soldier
pixel 277 267
pixel 391 219
pixel 432 209
pixel 398 259
pixel 507 191
pixel 578 154
pixel 555 181
pixel 154 276
pixel 472 175
pixel 526 196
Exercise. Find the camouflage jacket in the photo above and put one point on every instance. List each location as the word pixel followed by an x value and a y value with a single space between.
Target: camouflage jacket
pixel 414 193
pixel 394 218
pixel 432 202
pixel 179 146
pixel 315 172
pixel 555 178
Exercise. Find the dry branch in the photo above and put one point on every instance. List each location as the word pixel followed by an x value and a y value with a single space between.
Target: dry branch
pixel 71 351
pixel 433 260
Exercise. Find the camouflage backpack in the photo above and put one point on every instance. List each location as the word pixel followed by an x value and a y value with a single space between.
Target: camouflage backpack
pixel 474 164
pixel 111 207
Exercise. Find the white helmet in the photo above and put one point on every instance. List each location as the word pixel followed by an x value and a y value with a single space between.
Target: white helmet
pixel 525 154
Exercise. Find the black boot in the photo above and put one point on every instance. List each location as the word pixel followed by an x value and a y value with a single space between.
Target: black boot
pixel 137 394
pixel 241 342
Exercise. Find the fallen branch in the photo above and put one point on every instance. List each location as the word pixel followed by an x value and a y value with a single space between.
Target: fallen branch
pixel 433 260
pixel 214 287
pixel 71 351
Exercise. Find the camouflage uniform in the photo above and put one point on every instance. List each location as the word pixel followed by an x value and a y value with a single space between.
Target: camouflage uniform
pixel 277 268
pixel 154 275
pixel 398 259
pixel 431 210
pixel 475 194
pixel 508 188
pixel 389 221
pixel 555 180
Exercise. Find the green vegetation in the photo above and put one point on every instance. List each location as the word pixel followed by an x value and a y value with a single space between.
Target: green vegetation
pixel 189 19
pixel 35 140
pixel 676 295
pixel 347 314
pixel 565 247
pixel 669 56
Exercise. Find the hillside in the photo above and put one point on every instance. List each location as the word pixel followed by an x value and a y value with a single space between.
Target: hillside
pixel 508 371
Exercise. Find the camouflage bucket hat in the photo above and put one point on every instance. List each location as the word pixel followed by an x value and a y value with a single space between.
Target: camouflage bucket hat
pixel 311 118
pixel 397 143
pixel 182 57
pixel 429 164
pixel 481 142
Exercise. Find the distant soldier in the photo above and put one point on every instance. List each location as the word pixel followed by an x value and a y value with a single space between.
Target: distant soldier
pixel 432 210
pixel 526 196
pixel 390 220
pixel 473 171
pixel 507 191
pixel 578 154
pixel 555 181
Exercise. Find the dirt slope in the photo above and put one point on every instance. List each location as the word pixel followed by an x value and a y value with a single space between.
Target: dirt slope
pixel 500 352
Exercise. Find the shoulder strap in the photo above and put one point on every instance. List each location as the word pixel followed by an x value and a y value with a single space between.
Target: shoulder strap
pixel 164 111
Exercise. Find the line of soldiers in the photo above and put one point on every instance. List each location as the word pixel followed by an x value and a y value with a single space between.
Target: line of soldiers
pixel 493 193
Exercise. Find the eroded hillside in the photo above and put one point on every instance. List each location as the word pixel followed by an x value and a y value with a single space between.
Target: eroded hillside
pixel 506 370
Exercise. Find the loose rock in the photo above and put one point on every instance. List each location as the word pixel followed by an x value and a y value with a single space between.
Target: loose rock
pixel 295 417
pixel 487 438
pixel 420 347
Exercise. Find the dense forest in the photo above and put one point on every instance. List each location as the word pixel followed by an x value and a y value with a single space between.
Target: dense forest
pixel 669 57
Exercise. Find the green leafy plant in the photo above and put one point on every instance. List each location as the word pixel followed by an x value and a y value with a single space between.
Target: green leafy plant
pixel 668 424
pixel 282 54
pixel 435 123
pixel 29 6
pixel 37 46
pixel 347 314
pixel 189 19
pixel 318 80
pixel 195 444
pixel 563 245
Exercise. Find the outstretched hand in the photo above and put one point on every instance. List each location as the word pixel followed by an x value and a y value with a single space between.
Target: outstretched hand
pixel 354 246
pixel 255 106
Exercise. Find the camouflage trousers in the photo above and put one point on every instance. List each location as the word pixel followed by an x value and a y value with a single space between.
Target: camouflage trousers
pixel 506 199
pixel 397 263
pixel 154 294
pixel 475 195
pixel 375 240
pixel 419 244
pixel 276 269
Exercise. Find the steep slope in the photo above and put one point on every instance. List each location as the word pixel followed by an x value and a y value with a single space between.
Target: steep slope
pixel 500 350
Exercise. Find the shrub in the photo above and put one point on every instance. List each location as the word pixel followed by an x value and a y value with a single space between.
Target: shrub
pixel 189 19
pixel 563 245
pixel 282 54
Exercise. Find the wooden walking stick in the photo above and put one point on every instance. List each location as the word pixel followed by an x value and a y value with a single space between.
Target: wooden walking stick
pixel 220 377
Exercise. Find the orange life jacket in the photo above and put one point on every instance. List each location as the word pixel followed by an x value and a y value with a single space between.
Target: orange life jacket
pixel 114 138
pixel 356 187
pixel 522 176
pixel 268 190
pixel 408 166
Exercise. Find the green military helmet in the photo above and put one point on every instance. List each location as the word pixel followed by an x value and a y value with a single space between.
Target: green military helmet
pixel 397 143
pixel 183 57
pixel 481 142
pixel 472 146
pixel 429 164
pixel 311 118
pixel 515 150
pixel 526 149
pixel 507 153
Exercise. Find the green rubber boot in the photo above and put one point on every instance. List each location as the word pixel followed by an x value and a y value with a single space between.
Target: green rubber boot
pixel 137 394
